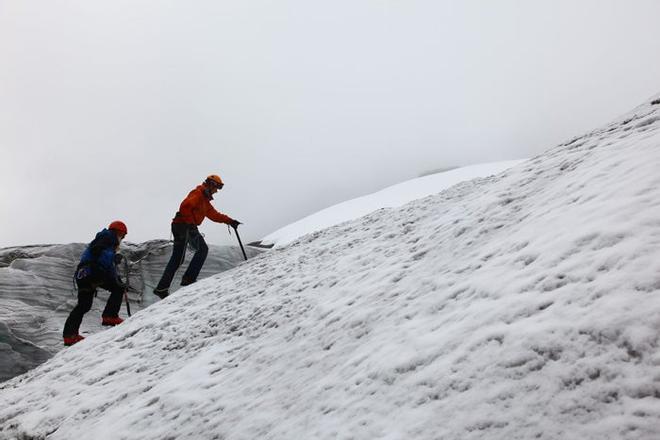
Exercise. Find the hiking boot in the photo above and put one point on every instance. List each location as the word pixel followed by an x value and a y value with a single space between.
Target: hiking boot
pixel 161 293
pixel 70 340
pixel 187 281
pixel 111 320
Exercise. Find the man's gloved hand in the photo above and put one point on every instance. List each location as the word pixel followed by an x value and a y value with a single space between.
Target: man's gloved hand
pixel 234 223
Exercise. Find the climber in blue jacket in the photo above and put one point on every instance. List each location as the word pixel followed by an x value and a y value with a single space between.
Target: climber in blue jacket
pixel 96 269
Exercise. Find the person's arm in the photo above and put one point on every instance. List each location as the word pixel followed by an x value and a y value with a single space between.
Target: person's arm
pixel 216 216
pixel 107 269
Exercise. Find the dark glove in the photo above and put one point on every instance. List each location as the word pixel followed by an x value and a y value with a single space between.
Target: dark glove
pixel 234 223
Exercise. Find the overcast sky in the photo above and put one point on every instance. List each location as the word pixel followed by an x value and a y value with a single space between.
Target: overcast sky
pixel 116 109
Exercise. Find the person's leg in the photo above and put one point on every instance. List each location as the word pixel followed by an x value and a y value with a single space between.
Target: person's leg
pixel 178 254
pixel 110 315
pixel 85 299
pixel 114 301
pixel 201 251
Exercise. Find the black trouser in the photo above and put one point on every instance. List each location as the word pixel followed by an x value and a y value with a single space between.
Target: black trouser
pixel 184 235
pixel 86 292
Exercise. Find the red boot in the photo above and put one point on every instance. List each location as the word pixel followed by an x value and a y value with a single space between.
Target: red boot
pixel 70 340
pixel 111 320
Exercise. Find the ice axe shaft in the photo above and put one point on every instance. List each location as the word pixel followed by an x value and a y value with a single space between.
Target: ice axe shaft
pixel 119 258
pixel 240 243
pixel 128 305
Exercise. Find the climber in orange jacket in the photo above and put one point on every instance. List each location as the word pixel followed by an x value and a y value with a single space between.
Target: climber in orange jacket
pixel 194 208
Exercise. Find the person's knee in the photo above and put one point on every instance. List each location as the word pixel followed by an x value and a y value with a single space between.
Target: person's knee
pixel 85 297
pixel 202 252
pixel 176 258
pixel 86 305
pixel 174 262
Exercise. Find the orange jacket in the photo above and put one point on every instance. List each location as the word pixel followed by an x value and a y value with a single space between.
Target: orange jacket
pixel 196 206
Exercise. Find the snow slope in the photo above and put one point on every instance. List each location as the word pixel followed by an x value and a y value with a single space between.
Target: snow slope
pixel 520 306
pixel 390 197
pixel 37 294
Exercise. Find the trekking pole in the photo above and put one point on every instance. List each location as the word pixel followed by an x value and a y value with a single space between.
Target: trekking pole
pixel 240 243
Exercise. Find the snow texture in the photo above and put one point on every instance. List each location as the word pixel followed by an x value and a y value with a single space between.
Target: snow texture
pixel 519 306
pixel 390 197
pixel 37 293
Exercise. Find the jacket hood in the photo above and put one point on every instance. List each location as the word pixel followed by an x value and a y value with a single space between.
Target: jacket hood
pixel 205 190
pixel 108 233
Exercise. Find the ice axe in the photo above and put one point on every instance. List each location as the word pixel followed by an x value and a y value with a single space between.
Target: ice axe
pixel 240 243
pixel 119 259
pixel 128 305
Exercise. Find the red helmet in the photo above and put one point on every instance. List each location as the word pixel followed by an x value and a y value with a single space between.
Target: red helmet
pixel 118 226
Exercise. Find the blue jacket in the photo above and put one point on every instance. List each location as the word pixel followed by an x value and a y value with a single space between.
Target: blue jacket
pixel 100 256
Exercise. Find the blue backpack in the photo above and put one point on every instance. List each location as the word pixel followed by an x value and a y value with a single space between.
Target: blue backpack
pixel 98 259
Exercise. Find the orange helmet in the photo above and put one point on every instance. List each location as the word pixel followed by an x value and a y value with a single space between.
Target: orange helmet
pixel 118 226
pixel 214 180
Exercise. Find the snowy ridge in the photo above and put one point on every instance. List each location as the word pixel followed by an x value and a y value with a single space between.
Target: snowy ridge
pixel 390 197
pixel 518 306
